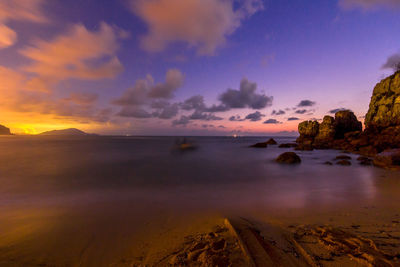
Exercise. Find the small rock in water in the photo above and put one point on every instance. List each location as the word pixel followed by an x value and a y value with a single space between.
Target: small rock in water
pixel 271 141
pixel 344 162
pixel 328 163
pixel 343 157
pixel 260 145
pixel 288 158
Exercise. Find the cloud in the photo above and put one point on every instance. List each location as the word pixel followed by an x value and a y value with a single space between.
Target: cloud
pixel 202 24
pixel 256 116
pixel 278 112
pixel 77 107
pixel 301 111
pixel 272 121
pixel 245 97
pixel 236 118
pixel 134 112
pixel 368 4
pixel 165 110
pixel 8 37
pixel 194 102
pixel 145 89
pixel 293 119
pixel 173 80
pixel 306 103
pixel 198 115
pixel 82 98
pixel 182 121
pixel 18 10
pixel 333 111
pixel 78 54
pixel 393 62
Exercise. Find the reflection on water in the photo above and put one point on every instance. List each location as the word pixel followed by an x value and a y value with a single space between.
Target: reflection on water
pixel 77 187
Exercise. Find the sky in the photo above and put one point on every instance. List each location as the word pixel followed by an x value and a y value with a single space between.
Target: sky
pixel 190 67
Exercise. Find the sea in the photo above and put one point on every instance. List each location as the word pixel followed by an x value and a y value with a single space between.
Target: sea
pixel 58 192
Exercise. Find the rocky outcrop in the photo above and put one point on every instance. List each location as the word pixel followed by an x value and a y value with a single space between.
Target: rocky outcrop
pixel 4 130
pixel 345 122
pixel 324 135
pixel 384 108
pixel 344 132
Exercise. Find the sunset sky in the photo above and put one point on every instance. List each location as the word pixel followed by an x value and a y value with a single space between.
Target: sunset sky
pixel 181 67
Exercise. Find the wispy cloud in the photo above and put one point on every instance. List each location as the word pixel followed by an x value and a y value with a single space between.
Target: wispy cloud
pixel 18 10
pixel 78 54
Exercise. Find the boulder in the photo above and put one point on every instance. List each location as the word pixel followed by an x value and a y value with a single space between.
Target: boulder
pixel 260 145
pixel 308 128
pixel 389 159
pixel 384 108
pixel 271 141
pixel 346 122
pixel 4 130
pixel 343 157
pixel 288 158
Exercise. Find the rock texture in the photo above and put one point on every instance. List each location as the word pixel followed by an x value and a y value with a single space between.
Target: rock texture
pixel 384 108
pixel 344 132
pixel 4 130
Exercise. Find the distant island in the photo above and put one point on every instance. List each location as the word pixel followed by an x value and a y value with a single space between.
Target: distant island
pixel 66 132
pixel 4 130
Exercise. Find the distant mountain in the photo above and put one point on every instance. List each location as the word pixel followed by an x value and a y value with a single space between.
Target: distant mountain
pixel 4 130
pixel 66 132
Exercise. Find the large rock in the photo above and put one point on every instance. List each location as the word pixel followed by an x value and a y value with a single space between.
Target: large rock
pixel 4 130
pixel 346 122
pixel 326 133
pixel 384 108
pixel 308 128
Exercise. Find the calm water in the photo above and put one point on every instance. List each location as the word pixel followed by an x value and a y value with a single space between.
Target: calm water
pixel 92 201
pixel 222 171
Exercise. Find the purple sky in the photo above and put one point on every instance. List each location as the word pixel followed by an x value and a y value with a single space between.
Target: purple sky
pixel 190 67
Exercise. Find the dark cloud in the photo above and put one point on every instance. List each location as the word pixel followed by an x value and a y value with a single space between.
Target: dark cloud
pixel 165 110
pixel 393 62
pixel 306 103
pixel 194 102
pixel 272 121
pixel 278 112
pixel 301 111
pixel 221 126
pixel 236 118
pixel 182 121
pixel 198 115
pixel 134 112
pixel 256 116
pixel 293 119
pixel 333 111
pixel 245 97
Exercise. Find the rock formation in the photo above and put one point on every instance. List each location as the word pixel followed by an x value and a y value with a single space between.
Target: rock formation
pixel 4 130
pixel 344 132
